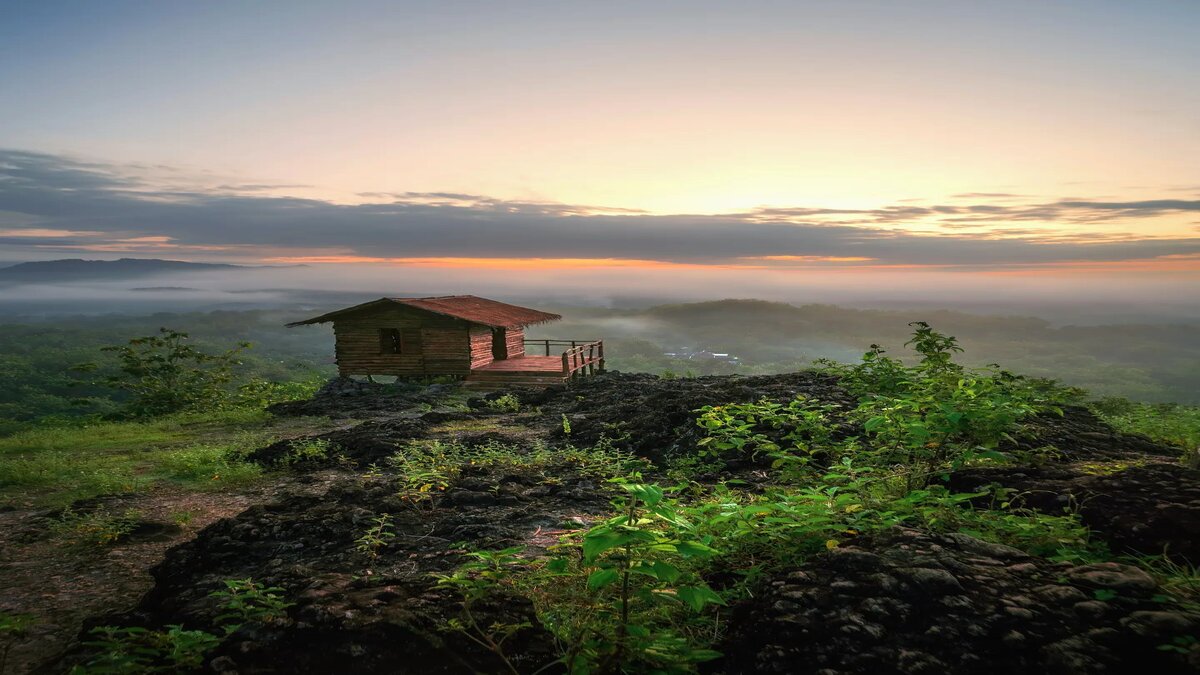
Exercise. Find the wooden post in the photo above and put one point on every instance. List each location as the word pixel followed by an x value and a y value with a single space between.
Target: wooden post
pixel 566 370
pixel 601 363
pixel 547 347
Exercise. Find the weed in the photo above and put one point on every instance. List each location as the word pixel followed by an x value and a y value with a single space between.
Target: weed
pixel 637 571
pixel 182 518
pixel 306 450
pixel 96 528
pixel 207 465
pixel 614 597
pixel 506 403
pixel 376 537
pixel 485 574
pixel 245 601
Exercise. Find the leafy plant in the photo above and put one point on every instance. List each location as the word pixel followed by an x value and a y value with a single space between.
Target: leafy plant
pixel 306 450
pixel 245 601
pixel 938 415
pixel 506 403
pixel 617 606
pixel 801 426
pixel 376 537
pixel 139 650
pixel 486 573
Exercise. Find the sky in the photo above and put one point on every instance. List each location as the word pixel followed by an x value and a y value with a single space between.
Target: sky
pixel 731 145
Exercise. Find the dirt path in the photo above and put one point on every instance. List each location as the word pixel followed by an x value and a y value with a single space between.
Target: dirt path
pixel 60 585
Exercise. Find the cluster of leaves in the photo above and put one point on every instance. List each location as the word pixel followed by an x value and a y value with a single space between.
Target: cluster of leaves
pixel 938 414
pixel 506 403
pixel 800 426
pixel 163 374
pixel 761 530
pixel 137 650
pixel 916 420
pixel 306 450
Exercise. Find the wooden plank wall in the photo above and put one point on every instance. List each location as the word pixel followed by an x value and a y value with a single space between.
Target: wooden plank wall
pixel 516 342
pixel 433 345
pixel 481 346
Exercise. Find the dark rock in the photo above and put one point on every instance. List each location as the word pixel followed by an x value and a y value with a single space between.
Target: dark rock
pixel 1150 508
pixel 835 617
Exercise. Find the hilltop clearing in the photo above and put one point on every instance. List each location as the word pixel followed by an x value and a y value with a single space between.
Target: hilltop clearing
pixel 867 518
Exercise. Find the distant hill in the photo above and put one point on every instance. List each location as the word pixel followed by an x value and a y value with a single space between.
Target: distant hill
pixel 75 269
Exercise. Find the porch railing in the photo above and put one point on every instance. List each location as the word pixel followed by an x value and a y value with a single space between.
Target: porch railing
pixel 582 357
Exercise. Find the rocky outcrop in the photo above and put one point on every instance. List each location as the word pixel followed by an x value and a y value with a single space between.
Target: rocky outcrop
pixel 910 602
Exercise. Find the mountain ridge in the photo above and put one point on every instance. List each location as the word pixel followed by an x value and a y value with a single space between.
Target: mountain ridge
pixel 80 269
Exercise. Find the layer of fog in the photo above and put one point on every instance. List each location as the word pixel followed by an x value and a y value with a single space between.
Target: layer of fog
pixel 1082 298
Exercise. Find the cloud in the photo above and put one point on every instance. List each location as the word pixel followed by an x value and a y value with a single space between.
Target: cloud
pixel 104 208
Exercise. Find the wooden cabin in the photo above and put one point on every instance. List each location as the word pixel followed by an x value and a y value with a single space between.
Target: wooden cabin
pixel 480 340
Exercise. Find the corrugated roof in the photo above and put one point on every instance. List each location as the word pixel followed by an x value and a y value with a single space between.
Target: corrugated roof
pixel 466 307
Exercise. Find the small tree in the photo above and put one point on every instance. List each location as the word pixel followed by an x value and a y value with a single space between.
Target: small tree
pixel 164 374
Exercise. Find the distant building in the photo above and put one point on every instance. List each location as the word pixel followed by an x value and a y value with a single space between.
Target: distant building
pixel 702 355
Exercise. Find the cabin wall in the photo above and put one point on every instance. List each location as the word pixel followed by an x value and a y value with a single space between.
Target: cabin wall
pixel 481 346
pixel 516 342
pixel 431 345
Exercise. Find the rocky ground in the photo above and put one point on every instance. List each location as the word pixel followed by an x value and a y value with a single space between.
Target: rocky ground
pixel 899 601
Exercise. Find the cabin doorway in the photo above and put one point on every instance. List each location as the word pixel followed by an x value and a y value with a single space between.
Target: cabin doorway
pixel 499 344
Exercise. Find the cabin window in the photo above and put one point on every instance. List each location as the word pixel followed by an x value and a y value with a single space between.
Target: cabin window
pixel 390 341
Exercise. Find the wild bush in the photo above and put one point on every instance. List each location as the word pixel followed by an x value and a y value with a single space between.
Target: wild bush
pixel 506 403
pixel 164 374
pixel 306 450
pixel 616 598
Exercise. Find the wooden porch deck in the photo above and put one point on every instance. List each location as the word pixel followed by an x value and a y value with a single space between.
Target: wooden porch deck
pixel 524 364
pixel 582 358
pixel 521 371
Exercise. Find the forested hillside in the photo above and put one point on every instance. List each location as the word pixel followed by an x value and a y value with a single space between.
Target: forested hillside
pixel 1142 362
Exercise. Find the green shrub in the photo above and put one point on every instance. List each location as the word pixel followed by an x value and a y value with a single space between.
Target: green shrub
pixel 506 403
pixel 163 374
pixel 306 450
